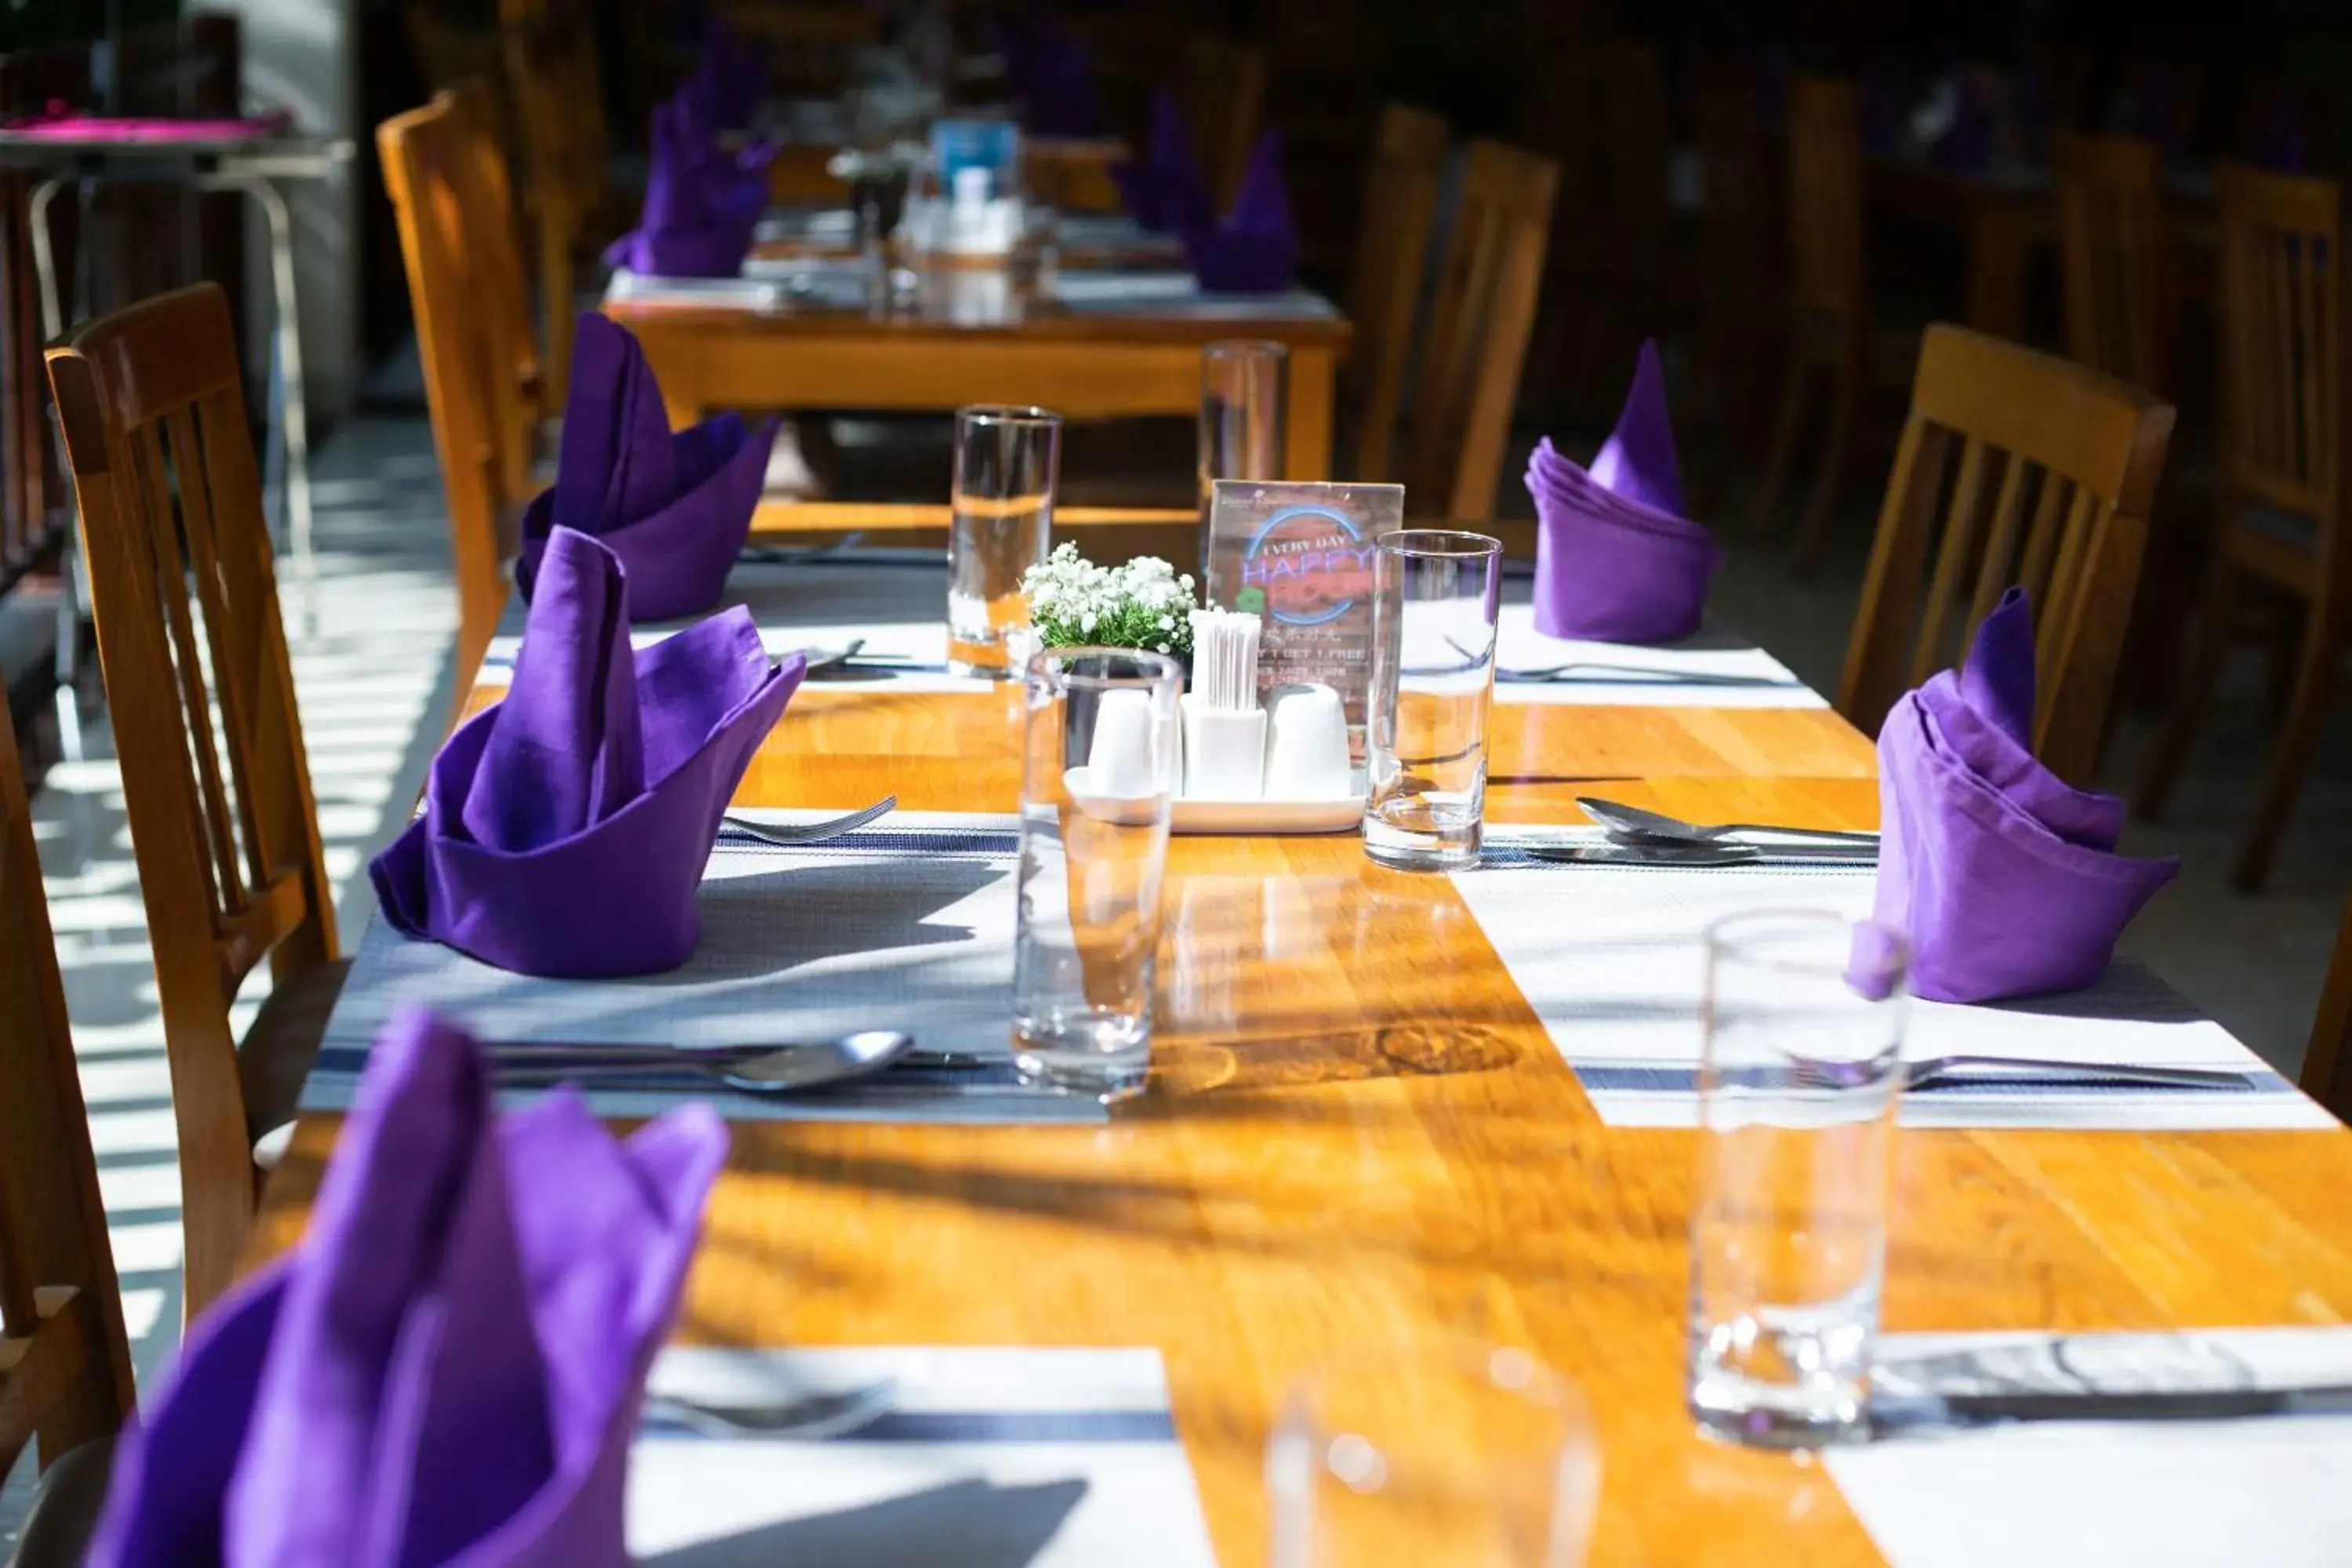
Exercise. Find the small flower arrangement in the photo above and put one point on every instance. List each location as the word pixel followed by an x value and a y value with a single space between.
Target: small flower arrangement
pixel 1073 602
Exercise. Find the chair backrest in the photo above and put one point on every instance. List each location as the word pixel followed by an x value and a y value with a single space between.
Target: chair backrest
pixel 1468 374
pixel 426 153
pixel 1224 102
pixel 65 1360
pixel 500 296
pixel 1597 106
pixel 559 97
pixel 214 780
pixel 1391 256
pixel 2113 254
pixel 2327 1064
pixel 2069 459
pixel 2281 339
pixel 1825 259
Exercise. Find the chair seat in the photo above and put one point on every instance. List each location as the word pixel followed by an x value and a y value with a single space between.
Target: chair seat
pixel 275 1056
pixel 66 1503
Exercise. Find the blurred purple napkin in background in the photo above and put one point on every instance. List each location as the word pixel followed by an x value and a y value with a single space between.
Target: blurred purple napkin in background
pixel 1255 249
pixel 1049 74
pixel 676 506
pixel 451 1364
pixel 701 203
pixel 1615 559
pixel 565 829
pixel 1164 193
pixel 2004 876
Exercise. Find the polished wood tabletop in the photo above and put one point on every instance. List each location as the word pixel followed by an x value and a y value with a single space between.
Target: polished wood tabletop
pixel 979 334
pixel 1368 1143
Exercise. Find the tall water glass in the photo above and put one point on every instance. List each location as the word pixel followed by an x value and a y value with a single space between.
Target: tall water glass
pixel 1098 781
pixel 1007 462
pixel 1245 387
pixel 1798 1089
pixel 1434 598
pixel 1452 1458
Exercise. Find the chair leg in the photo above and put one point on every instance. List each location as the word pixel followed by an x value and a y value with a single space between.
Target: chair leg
pixel 1786 428
pixel 557 289
pixel 1813 531
pixel 2201 673
pixel 2314 689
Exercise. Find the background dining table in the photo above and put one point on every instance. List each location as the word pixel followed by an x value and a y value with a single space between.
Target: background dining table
pixel 1361 1134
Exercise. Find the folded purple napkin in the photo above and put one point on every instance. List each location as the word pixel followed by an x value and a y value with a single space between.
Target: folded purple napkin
pixel 450 1366
pixel 1615 559
pixel 1164 193
pixel 1255 249
pixel 2005 877
pixel 676 506
pixel 701 203
pixel 565 830
pixel 729 79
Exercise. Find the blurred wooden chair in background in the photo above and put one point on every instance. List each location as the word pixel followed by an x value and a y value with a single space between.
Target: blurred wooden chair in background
pixel 1384 283
pixel 2282 527
pixel 2327 1064
pixel 2069 459
pixel 1468 378
pixel 1833 338
pixel 65 1358
pixel 1223 99
pixel 2115 258
pixel 431 163
pixel 557 90
pixel 215 779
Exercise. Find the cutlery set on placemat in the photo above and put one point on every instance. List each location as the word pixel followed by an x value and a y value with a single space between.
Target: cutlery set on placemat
pixel 1639 837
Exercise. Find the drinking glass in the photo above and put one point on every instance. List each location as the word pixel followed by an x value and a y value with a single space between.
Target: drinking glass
pixel 1245 387
pixel 1098 782
pixel 1434 596
pixel 1460 1457
pixel 1797 1087
pixel 1007 461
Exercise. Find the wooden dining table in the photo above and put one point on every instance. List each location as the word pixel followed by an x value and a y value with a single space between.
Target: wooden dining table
pixel 1378 1147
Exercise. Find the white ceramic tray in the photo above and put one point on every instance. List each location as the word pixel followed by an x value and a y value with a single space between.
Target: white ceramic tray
pixel 1198 815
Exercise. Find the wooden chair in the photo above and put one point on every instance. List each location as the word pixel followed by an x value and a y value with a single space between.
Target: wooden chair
pixel 2282 497
pixel 214 781
pixel 428 160
pixel 1830 323
pixel 1384 285
pixel 559 97
pixel 2114 255
pixel 1468 374
pixel 65 1360
pixel 1223 99
pixel 2075 452
pixel 500 298
pixel 2327 1064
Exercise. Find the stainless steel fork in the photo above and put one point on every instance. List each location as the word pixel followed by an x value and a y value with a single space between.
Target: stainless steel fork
pixel 791 835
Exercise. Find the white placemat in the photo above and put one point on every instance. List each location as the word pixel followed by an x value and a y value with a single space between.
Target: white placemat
pixel 985 1458
pixel 896 604
pixel 1628 675
pixel 2273 1490
pixel 906 925
pixel 1611 960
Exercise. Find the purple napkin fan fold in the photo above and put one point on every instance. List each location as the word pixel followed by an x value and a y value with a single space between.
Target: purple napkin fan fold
pixel 702 203
pixel 565 830
pixel 1255 249
pixel 2004 876
pixel 1616 560
pixel 1164 190
pixel 675 505
pixel 451 1364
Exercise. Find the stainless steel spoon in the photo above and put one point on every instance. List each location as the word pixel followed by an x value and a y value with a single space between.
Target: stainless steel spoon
pixel 767 1069
pixel 1632 822
pixel 791 835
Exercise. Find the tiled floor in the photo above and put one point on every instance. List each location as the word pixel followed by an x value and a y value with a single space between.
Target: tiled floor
pixel 374 682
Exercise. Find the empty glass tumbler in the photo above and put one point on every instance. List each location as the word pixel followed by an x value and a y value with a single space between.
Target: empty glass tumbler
pixel 1099 775
pixel 1456 1456
pixel 1007 462
pixel 1436 596
pixel 1798 1083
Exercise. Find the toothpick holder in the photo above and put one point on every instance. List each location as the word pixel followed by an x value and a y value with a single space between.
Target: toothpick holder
pixel 1224 751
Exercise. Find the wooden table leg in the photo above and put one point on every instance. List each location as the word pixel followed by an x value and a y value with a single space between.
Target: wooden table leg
pixel 1309 416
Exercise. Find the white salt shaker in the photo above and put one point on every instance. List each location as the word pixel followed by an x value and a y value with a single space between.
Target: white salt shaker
pixel 1307 744
pixel 1121 764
